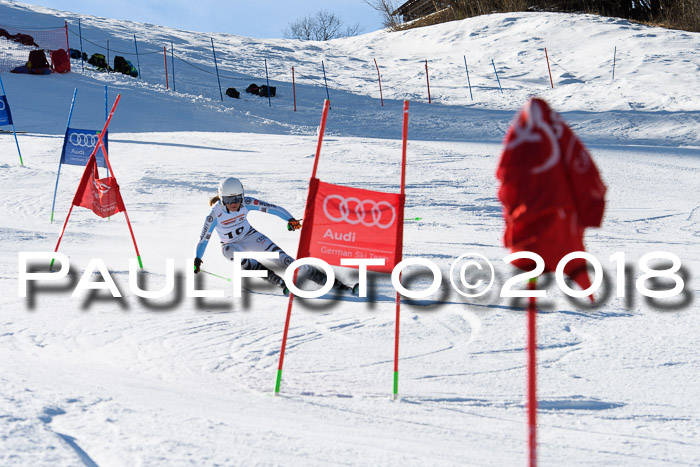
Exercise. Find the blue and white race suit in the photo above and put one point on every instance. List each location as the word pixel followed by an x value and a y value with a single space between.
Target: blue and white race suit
pixel 236 234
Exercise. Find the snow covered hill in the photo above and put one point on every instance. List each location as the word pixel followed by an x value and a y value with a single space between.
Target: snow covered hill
pixel 178 381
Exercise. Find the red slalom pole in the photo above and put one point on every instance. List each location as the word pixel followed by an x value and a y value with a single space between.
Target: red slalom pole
pixel 126 214
pixel 165 59
pixel 283 348
pixel 60 237
pixel 278 382
pixel 427 78
pixel 294 90
pixel 100 144
pixel 104 151
pixel 549 69
pixel 399 235
pixel 381 96
pixel 532 375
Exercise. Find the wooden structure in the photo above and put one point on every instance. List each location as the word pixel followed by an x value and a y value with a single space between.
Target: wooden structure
pixel 414 9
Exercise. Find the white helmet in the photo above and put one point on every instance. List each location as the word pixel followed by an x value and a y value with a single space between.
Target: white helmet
pixel 230 187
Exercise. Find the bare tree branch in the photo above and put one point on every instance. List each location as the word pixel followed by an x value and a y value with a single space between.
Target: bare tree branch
pixel 322 26
pixel 386 8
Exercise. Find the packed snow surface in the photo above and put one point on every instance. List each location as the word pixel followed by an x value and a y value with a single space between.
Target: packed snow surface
pixel 97 380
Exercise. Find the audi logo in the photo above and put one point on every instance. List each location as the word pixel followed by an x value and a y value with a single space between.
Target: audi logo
pixel 355 211
pixel 2 103
pixel 83 139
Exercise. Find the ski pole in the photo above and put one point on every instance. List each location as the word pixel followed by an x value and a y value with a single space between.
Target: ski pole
pixel 215 275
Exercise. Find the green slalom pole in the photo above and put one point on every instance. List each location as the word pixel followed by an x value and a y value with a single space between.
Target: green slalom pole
pixel 414 219
pixel 396 345
pixel 278 383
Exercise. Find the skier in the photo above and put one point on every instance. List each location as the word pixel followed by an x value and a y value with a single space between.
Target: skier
pixel 229 211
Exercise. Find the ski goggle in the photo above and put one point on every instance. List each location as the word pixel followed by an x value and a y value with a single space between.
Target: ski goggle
pixel 232 199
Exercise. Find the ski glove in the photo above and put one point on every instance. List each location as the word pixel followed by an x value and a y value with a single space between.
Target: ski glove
pixel 197 264
pixel 293 224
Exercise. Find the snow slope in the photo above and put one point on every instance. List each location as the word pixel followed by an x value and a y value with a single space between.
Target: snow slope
pixel 178 381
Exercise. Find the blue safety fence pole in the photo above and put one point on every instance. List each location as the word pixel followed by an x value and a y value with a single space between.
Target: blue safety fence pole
pixel 109 218
pixel 138 64
pixel 58 175
pixel 217 68
pixel 267 78
pixel 80 34
pixel 468 82
pixel 2 87
pixel 497 79
pixel 106 117
pixel 326 81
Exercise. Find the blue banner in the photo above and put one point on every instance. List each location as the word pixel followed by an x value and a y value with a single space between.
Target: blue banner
pixel 5 115
pixel 79 144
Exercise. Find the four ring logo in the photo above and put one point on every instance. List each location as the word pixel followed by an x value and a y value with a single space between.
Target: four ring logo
pixel 2 103
pixel 368 212
pixel 83 139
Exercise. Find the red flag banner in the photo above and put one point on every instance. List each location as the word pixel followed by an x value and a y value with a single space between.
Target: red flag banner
pixel 100 195
pixel 550 189
pixel 344 222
